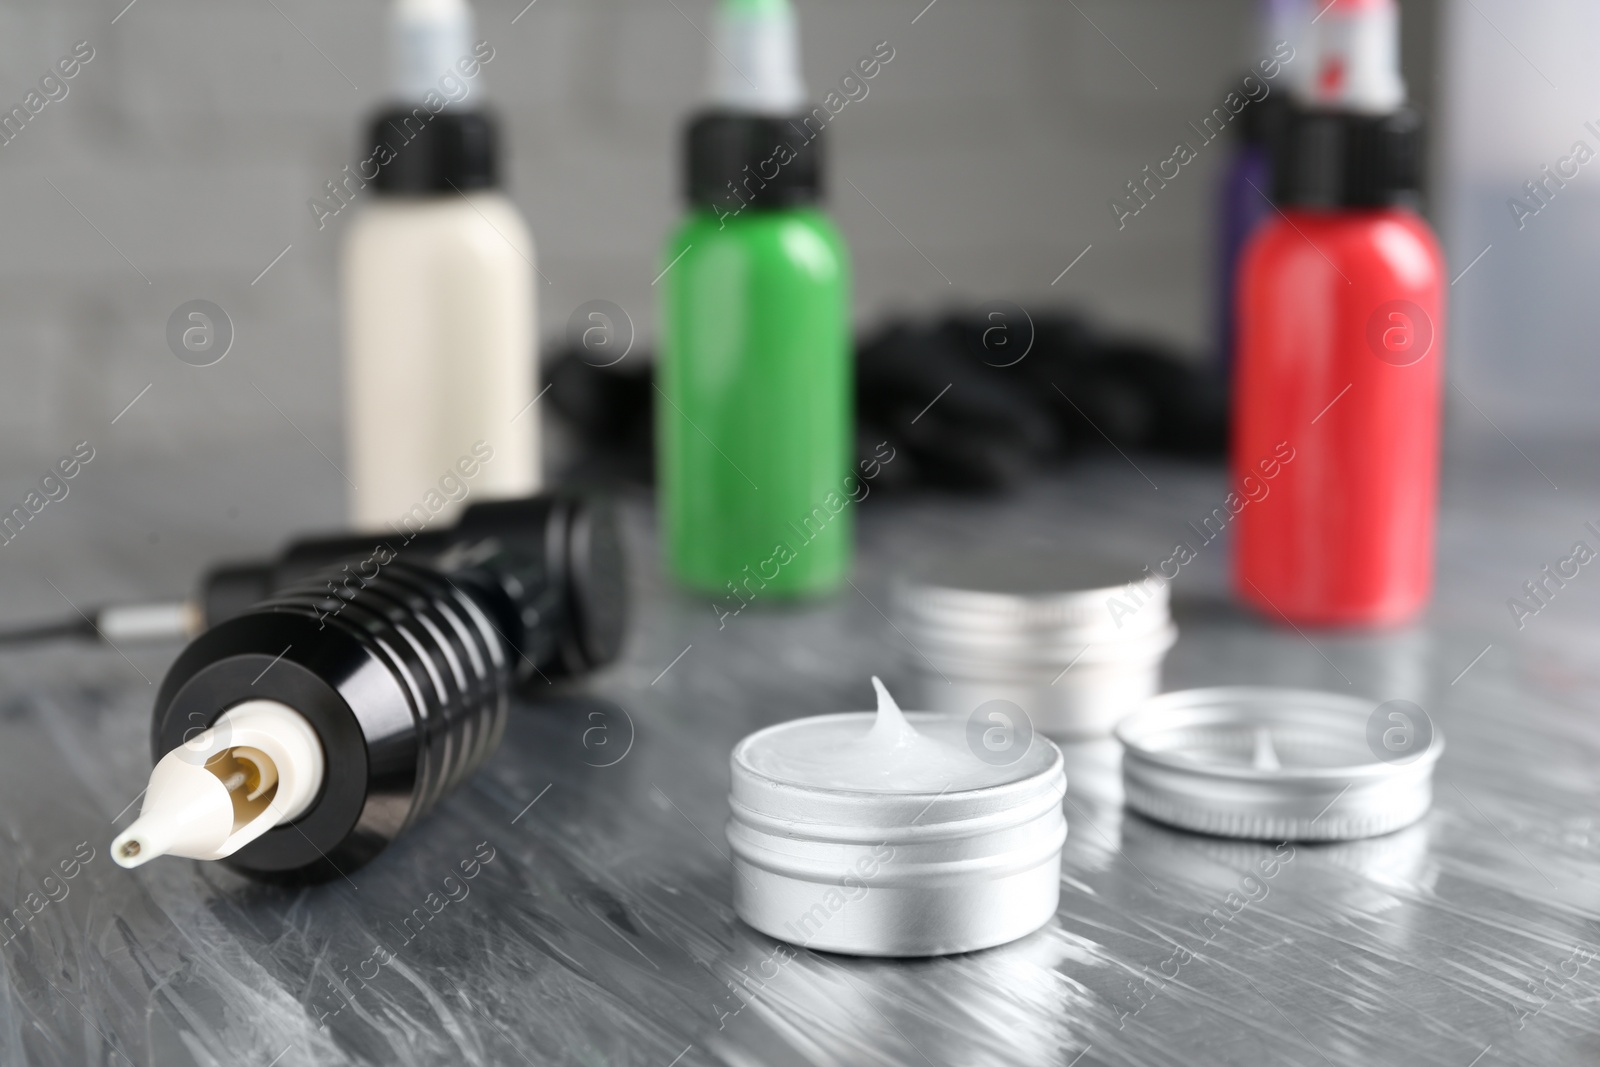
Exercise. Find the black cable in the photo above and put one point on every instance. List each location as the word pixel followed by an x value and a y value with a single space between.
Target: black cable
pixel 33 633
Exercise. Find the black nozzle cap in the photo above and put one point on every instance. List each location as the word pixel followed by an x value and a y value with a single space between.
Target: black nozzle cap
pixel 1262 121
pixel 738 161
pixel 1338 159
pixel 420 152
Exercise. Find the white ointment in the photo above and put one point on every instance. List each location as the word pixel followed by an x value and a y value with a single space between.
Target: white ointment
pixel 883 753
pixel 894 834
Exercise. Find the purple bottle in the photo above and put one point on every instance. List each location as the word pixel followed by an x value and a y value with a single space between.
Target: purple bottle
pixel 1247 181
pixel 1243 207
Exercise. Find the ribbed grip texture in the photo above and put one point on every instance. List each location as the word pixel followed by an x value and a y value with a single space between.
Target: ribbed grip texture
pixel 441 646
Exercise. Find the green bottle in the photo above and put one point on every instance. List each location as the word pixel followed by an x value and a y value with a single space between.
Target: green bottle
pixel 754 385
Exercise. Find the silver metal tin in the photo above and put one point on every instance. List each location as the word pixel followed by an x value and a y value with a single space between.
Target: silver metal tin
pixel 897 874
pixel 1075 642
pixel 1190 760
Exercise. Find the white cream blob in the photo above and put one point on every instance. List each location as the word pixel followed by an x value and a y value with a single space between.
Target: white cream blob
pixel 886 752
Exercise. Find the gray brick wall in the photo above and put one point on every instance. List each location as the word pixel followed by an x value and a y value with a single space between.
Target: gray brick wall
pixel 184 154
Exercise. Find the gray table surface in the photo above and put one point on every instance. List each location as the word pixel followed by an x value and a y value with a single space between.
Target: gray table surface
pixel 601 931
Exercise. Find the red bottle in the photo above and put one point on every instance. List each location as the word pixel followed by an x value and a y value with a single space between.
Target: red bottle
pixel 1337 392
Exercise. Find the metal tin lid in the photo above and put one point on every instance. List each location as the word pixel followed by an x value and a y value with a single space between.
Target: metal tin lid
pixel 1274 764
pixel 1041 596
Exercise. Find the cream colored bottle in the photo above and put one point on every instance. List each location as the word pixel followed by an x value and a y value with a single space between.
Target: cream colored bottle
pixel 438 275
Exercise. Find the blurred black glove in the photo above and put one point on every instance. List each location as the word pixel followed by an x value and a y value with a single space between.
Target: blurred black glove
pixel 974 402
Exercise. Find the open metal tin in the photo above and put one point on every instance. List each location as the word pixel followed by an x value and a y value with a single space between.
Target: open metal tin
pixel 875 873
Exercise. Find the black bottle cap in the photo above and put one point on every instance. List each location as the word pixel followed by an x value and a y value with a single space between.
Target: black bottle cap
pixel 1262 121
pixel 417 151
pixel 738 160
pixel 1339 159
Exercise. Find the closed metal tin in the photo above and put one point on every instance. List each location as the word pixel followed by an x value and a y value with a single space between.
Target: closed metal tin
pixel 1269 764
pixel 873 873
pixel 1076 642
